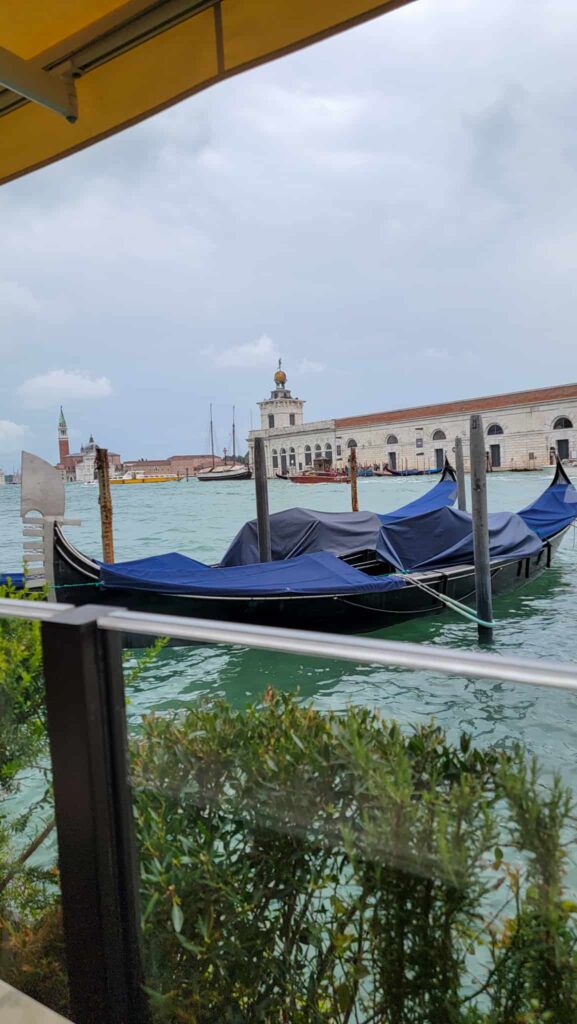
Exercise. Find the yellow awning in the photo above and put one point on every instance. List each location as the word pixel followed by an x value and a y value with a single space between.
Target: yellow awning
pixel 80 70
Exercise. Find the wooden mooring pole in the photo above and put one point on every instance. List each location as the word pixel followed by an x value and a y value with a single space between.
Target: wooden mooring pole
pixel 262 514
pixel 480 528
pixel 353 475
pixel 460 470
pixel 105 502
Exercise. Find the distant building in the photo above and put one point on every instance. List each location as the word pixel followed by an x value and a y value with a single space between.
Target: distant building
pixel 524 430
pixel 2 478
pixel 79 467
pixel 179 465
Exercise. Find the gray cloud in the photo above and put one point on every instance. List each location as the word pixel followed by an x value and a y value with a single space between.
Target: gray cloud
pixel 394 206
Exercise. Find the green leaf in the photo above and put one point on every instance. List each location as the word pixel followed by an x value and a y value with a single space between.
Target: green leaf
pixel 177 917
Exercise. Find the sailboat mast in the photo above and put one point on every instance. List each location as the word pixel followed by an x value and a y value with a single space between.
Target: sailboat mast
pixel 233 437
pixel 211 438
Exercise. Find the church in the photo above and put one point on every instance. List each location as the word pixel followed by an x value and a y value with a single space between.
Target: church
pixel 524 431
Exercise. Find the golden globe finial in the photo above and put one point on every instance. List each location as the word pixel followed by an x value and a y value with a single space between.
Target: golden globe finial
pixel 280 376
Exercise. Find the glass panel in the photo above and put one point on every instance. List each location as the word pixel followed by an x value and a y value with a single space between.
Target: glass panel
pixel 311 856
pixel 32 956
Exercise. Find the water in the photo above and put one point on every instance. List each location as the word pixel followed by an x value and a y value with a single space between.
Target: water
pixel 200 520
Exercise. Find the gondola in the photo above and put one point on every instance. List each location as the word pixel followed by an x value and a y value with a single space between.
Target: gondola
pixel 347 572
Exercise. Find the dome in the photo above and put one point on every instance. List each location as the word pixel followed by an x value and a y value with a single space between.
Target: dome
pixel 280 376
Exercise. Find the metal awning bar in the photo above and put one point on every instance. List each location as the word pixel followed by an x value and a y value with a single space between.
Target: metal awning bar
pixel 27 79
pixel 361 650
pixel 108 40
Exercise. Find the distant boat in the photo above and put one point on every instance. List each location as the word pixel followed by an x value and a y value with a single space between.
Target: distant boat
pixel 321 472
pixel 407 472
pixel 225 471
pixel 140 478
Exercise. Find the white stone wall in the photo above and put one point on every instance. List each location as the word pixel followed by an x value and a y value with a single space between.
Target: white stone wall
pixel 527 431
pixel 297 438
pixel 281 409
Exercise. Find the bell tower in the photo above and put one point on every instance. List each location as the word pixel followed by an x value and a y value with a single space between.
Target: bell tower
pixel 63 445
pixel 281 410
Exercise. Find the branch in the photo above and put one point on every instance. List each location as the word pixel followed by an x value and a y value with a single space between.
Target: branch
pixel 26 854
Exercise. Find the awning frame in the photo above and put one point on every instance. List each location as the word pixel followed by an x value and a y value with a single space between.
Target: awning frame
pixel 31 82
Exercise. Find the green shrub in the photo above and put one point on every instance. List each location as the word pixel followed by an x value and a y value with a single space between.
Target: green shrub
pixel 308 867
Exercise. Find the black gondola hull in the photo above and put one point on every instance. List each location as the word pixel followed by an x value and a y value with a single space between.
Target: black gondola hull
pixel 77 582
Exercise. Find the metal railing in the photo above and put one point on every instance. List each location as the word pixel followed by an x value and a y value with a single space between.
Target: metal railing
pixel 85 702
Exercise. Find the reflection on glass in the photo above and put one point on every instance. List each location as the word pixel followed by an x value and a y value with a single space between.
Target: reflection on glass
pixel 31 941
pixel 322 867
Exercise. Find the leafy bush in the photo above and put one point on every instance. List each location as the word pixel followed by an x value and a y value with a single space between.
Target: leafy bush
pixel 31 947
pixel 320 868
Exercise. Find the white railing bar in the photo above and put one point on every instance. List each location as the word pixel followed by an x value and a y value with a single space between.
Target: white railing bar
pixel 13 608
pixel 362 650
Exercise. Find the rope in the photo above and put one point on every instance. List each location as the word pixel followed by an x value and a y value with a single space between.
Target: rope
pixel 71 586
pixel 451 602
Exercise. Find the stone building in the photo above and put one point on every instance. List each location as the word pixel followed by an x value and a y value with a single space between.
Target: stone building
pixel 523 431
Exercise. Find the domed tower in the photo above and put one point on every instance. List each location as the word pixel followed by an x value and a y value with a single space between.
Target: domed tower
pixel 63 445
pixel 281 410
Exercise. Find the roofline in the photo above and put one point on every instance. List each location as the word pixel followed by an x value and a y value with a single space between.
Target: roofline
pixel 489 403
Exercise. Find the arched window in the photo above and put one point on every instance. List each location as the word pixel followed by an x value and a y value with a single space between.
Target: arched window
pixel 308 455
pixel 329 451
pixel 292 457
pixel 351 443
pixel 274 459
pixel 283 451
pixel 495 428
pixel 328 447
pixel 318 448
pixel 392 439
pixel 563 423
pixel 439 435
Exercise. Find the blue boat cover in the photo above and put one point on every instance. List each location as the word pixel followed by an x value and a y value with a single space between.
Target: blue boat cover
pixel 319 573
pixel 299 531
pixel 554 509
pixel 442 494
pixel 15 579
pixel 440 539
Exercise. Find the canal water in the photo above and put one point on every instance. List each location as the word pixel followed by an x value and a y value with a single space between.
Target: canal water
pixel 201 519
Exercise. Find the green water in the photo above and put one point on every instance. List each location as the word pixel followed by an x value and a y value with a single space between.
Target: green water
pixel 200 519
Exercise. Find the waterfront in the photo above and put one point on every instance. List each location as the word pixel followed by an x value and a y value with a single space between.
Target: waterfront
pixel 200 521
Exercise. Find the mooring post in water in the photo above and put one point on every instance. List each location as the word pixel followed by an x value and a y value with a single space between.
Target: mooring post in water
pixel 261 487
pixel 480 528
pixel 460 470
pixel 105 502
pixel 353 475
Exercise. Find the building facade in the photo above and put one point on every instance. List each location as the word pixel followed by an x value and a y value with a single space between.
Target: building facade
pixel 524 430
pixel 178 465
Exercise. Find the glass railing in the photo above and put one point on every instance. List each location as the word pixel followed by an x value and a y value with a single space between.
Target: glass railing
pixel 32 956
pixel 277 853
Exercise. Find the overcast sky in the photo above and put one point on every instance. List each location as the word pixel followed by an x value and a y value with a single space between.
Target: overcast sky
pixel 394 211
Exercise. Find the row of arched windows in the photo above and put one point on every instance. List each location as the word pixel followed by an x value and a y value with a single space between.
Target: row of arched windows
pixel 561 423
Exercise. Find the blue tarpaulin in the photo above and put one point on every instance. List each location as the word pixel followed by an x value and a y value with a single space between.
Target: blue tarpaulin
pixel 319 573
pixel 554 509
pixel 441 495
pixel 15 579
pixel 299 531
pixel 440 539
